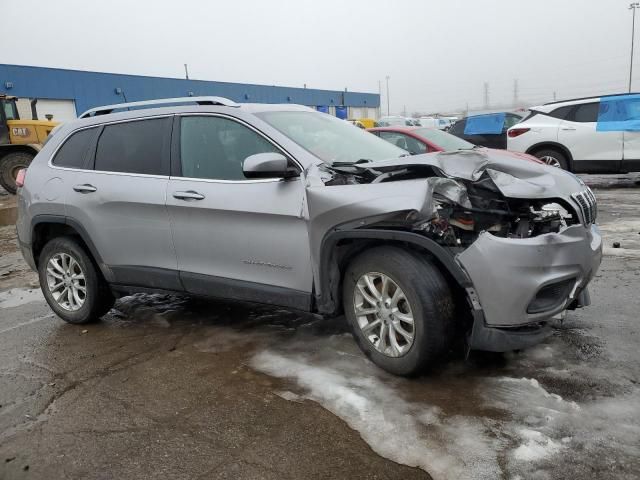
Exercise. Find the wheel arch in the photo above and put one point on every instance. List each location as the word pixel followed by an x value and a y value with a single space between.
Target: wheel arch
pixel 339 247
pixel 47 227
pixel 552 146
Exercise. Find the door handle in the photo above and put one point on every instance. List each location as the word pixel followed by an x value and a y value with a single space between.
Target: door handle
pixel 188 195
pixel 568 128
pixel 85 188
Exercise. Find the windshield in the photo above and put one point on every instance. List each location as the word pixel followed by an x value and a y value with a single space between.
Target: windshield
pixel 10 110
pixel 443 139
pixel 331 139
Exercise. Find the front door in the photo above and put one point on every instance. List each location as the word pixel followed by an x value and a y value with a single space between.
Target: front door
pixel 236 237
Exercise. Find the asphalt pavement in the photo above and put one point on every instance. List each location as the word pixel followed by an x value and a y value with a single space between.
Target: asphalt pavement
pixel 171 387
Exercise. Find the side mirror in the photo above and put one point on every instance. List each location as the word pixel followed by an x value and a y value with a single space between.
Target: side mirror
pixel 268 165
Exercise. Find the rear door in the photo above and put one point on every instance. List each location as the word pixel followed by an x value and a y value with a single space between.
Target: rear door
pixel 120 202
pixel 592 151
pixel 235 237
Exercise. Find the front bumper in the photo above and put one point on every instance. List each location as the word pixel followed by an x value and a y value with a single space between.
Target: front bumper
pixel 509 276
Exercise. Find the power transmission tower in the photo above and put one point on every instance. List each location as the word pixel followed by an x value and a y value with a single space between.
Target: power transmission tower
pixel 486 95
pixel 554 96
pixel 515 92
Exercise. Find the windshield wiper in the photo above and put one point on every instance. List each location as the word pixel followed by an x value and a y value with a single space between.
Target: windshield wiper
pixel 350 164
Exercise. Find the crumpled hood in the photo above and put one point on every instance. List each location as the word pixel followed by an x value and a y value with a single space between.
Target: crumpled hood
pixel 515 177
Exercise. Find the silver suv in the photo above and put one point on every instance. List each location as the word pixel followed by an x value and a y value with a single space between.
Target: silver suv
pixel 282 205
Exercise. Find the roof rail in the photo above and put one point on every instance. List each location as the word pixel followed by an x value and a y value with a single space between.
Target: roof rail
pixel 587 98
pixel 155 103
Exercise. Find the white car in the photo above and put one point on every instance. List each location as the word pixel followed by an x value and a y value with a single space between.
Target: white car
pixel 431 122
pixel 565 134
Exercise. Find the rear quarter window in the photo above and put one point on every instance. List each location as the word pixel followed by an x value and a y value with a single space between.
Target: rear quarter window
pixel 139 146
pixel 561 112
pixel 73 152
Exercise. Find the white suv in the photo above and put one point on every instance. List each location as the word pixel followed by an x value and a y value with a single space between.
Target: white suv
pixel 565 134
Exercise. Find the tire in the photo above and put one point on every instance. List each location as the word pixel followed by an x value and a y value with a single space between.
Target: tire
pixel 97 298
pixel 553 157
pixel 9 166
pixel 429 300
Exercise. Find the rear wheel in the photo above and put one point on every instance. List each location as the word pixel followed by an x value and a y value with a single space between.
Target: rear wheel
pixel 399 308
pixel 71 283
pixel 10 165
pixel 553 158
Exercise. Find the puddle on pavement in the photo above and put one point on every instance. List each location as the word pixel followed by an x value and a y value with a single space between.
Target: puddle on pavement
pixel 558 410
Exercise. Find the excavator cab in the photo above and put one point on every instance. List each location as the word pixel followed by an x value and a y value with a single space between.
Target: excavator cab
pixel 8 111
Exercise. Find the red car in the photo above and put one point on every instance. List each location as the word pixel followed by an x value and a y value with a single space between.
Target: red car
pixel 417 140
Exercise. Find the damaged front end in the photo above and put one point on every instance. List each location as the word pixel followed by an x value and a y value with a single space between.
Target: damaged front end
pixel 521 233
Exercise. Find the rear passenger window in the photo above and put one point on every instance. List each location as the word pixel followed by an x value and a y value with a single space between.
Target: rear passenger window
pixel 586 112
pixel 561 112
pixel 73 152
pixel 215 147
pixel 133 147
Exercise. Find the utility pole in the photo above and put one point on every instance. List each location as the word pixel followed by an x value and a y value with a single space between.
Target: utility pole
pixel 486 95
pixel 186 71
pixel 388 103
pixel 379 113
pixel 515 92
pixel 632 6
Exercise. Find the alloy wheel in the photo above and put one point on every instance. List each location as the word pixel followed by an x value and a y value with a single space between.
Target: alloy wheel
pixel 66 282
pixel 552 161
pixel 384 314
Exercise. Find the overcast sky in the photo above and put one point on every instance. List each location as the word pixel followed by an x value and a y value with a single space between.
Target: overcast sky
pixel 438 54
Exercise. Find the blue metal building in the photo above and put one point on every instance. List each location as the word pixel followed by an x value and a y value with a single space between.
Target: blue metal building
pixel 91 89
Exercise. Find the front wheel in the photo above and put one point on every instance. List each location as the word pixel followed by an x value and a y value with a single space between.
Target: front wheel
pixel 71 283
pixel 10 165
pixel 399 308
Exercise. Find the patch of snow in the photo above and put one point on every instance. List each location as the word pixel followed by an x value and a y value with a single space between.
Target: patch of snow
pixel 409 433
pixel 290 396
pixel 536 446
pixel 20 296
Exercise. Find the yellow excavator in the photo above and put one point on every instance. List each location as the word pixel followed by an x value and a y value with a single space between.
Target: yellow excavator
pixel 20 140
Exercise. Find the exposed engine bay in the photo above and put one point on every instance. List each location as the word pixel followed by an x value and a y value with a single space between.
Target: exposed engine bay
pixel 461 208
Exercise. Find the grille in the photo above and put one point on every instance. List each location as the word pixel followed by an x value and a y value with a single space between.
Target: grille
pixel 588 205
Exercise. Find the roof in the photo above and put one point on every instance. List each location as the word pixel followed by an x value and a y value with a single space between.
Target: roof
pixel 592 97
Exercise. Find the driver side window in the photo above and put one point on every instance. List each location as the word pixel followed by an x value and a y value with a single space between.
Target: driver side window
pixel 216 147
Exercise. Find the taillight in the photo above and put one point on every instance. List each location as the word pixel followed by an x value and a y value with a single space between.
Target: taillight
pixel 516 132
pixel 20 177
